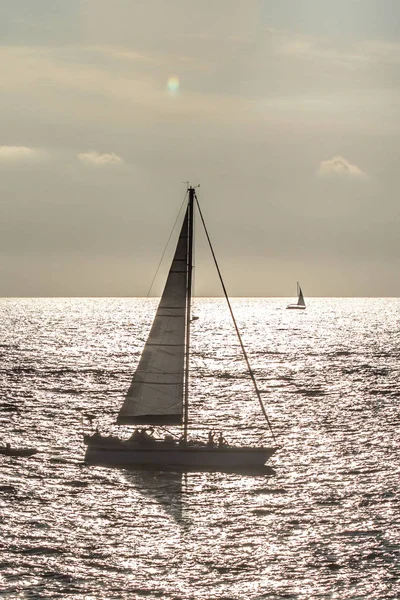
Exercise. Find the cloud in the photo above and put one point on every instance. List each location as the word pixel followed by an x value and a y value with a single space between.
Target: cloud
pixel 340 167
pixel 17 153
pixel 99 160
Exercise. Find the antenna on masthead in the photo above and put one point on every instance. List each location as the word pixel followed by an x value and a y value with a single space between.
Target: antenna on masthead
pixel 193 187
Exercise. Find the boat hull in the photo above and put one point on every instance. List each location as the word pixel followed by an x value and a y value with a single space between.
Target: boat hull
pixel 19 452
pixel 189 458
pixel 295 306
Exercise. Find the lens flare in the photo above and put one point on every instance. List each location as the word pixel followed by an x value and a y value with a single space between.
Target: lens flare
pixel 173 84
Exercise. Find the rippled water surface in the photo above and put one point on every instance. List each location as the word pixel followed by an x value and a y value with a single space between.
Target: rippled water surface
pixel 327 525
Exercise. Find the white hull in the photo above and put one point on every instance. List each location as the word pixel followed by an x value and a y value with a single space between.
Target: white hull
pixel 298 306
pixel 189 458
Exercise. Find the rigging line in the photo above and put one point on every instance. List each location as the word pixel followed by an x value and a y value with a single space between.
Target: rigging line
pixel 235 324
pixel 174 435
pixel 166 245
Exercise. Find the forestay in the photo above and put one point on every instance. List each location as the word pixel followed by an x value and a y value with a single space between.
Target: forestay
pixel 156 393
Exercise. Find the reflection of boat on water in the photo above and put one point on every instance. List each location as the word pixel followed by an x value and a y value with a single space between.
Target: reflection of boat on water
pixel 300 300
pixel 176 493
pixel 159 393
pixel 166 488
pixel 21 452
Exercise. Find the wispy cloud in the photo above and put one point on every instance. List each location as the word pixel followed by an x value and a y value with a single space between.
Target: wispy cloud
pixel 96 159
pixel 350 54
pixel 17 153
pixel 340 167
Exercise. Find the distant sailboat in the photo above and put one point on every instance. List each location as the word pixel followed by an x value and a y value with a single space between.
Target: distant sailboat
pixel 7 450
pixel 159 392
pixel 300 301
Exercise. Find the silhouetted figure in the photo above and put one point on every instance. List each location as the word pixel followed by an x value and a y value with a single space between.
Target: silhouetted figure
pixel 97 434
pixel 136 436
pixel 221 441
pixel 142 435
pixel 211 442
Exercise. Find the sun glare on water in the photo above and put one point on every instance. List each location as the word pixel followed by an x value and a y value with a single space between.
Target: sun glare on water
pixel 173 85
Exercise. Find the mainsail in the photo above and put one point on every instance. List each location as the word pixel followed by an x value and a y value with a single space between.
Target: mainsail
pixel 300 301
pixel 155 396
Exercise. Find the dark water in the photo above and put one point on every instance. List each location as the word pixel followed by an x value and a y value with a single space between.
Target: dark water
pixel 327 525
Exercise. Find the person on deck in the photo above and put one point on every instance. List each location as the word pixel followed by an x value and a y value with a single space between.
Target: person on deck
pixel 221 441
pixel 211 442
pixel 142 435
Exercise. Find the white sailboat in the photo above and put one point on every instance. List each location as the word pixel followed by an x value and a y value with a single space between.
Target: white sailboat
pixel 300 300
pixel 159 392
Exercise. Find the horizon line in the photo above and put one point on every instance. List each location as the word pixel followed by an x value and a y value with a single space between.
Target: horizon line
pixel 195 297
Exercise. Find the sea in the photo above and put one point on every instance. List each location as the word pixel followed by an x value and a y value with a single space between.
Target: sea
pixel 324 523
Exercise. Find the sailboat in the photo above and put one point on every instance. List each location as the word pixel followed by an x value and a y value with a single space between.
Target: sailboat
pixel 7 450
pixel 159 393
pixel 300 300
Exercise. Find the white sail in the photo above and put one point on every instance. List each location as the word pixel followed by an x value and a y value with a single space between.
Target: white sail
pixel 300 301
pixel 155 396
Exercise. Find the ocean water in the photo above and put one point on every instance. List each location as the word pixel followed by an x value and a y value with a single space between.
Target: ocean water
pixel 326 525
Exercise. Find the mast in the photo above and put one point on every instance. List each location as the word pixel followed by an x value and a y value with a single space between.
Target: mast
pixel 188 310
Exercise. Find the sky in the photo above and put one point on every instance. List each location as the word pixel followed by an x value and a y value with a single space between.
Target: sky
pixel 286 112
